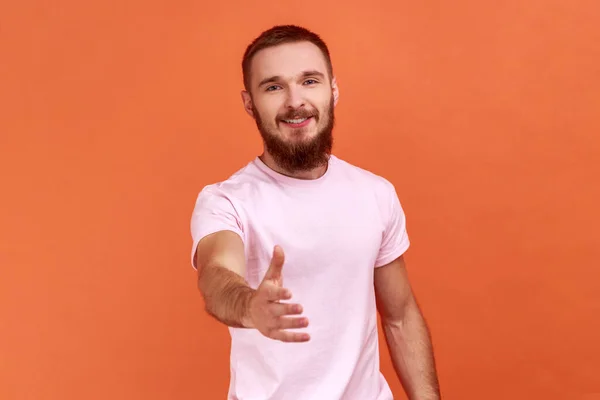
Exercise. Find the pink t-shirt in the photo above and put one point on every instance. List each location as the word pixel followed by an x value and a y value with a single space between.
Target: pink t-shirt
pixel 334 231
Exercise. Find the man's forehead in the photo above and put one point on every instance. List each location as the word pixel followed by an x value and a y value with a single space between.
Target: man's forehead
pixel 288 60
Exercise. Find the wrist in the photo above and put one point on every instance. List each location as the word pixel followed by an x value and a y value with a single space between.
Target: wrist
pixel 429 396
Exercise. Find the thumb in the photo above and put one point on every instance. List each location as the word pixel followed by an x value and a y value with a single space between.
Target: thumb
pixel 274 271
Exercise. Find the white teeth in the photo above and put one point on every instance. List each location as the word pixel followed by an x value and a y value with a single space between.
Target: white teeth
pixel 295 121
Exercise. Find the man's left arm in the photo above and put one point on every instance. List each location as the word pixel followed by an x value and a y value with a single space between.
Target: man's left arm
pixel 406 332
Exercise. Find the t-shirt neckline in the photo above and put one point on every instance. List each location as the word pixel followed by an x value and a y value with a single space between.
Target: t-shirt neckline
pixel 291 180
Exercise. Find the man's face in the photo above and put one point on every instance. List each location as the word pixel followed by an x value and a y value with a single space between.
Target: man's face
pixel 292 99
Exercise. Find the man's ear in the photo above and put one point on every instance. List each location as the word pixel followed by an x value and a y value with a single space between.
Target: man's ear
pixel 247 101
pixel 336 91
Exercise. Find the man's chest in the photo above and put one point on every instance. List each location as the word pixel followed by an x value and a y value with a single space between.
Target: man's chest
pixel 321 237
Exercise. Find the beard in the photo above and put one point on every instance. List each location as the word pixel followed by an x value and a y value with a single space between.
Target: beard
pixel 304 155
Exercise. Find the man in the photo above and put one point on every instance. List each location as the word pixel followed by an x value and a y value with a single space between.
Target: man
pixel 298 250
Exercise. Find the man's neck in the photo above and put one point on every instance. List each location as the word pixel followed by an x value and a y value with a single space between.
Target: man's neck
pixel 310 174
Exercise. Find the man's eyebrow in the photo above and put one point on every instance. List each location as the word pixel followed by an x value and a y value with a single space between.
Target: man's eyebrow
pixel 304 74
pixel 269 80
pixel 313 73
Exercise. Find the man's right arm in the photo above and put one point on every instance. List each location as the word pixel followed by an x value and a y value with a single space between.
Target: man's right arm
pixel 221 265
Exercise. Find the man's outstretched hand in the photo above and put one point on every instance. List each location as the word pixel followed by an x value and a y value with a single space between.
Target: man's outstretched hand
pixel 267 314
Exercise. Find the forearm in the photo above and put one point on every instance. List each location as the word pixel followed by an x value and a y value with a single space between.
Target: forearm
pixel 226 296
pixel 410 347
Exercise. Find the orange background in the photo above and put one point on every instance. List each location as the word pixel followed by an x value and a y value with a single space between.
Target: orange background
pixel 485 115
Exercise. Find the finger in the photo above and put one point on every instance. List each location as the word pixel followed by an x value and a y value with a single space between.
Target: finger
pixel 281 309
pixel 291 323
pixel 276 293
pixel 274 271
pixel 291 337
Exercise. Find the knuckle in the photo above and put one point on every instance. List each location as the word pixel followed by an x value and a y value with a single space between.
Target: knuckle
pixel 275 311
pixel 269 325
pixel 276 324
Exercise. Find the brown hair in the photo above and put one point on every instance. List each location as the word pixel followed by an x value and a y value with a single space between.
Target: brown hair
pixel 281 34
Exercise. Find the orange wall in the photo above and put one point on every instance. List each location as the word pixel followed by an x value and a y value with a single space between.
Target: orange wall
pixel 115 114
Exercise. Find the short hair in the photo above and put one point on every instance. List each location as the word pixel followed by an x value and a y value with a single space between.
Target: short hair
pixel 282 34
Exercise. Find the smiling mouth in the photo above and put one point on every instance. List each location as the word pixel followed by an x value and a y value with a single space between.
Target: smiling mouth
pixel 297 122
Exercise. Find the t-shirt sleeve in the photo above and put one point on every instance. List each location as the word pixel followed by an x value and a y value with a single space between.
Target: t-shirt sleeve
pixel 214 211
pixel 395 238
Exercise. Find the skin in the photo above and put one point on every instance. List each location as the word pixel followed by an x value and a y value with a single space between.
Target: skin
pixel 288 79
pixel 406 332
pixel 285 79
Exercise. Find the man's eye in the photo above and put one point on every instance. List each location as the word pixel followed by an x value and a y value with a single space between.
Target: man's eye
pixel 271 88
pixel 310 81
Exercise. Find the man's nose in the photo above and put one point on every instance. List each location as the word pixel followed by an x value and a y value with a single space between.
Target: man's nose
pixel 294 98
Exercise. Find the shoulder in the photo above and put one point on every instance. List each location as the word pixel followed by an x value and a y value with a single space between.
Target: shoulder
pixel 364 178
pixel 240 185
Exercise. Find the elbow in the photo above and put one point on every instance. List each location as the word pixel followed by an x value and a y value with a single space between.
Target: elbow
pixel 398 317
pixel 393 324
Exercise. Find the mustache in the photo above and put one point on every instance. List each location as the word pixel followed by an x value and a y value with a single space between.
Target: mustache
pixel 301 113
